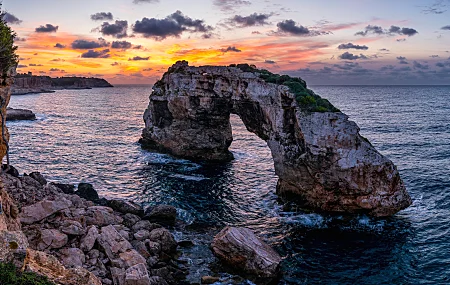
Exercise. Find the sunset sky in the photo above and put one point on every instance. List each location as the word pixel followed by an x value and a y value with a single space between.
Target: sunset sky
pixel 322 41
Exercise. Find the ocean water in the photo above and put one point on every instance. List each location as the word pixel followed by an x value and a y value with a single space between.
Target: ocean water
pixel 92 136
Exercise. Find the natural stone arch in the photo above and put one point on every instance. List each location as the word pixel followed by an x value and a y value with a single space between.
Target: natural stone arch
pixel 320 158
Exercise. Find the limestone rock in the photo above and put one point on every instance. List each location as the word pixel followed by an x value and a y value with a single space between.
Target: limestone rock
pixel 162 214
pixel 66 188
pixel 164 238
pixel 243 250
pixel 13 247
pixel 88 241
pixel 144 225
pixel 102 216
pixel 322 161
pixel 112 242
pixel 47 265
pixel 43 209
pixel 38 177
pixel 52 239
pixel 72 257
pixel 9 214
pixel 137 275
pixel 87 191
pixel 126 207
pixel 72 228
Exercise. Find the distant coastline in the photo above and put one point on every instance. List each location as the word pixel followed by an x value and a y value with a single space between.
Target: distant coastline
pixel 30 84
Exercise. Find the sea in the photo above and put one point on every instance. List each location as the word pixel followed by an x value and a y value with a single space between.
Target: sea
pixel 92 136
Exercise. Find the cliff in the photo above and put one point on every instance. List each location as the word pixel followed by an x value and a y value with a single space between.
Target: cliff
pixel 25 84
pixel 322 161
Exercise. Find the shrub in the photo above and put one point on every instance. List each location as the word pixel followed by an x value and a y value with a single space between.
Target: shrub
pixel 306 98
pixel 8 56
pixel 10 276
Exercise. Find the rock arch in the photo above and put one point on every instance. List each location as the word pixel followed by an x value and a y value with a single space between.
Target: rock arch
pixel 320 158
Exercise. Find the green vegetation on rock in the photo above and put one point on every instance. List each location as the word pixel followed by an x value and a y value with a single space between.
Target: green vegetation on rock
pixel 8 56
pixel 9 275
pixel 305 97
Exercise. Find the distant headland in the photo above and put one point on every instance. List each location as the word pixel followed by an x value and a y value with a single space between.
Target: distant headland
pixel 27 83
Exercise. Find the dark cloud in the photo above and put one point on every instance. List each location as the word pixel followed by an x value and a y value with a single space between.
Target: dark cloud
pixel 84 44
pixel 121 45
pixel 438 7
pixel 11 19
pixel 383 49
pixel 115 63
pixel 268 61
pixel 434 56
pixel 418 65
pixel 96 54
pixel 137 47
pixel 443 64
pixel 350 56
pixel 393 30
pixel 446 28
pixel 57 60
pixel 290 27
pixel 58 45
pixel 17 39
pixel 145 1
pixel 254 19
pixel 34 64
pixel 22 66
pixel 230 5
pixel 147 69
pixel 138 58
pixel 102 16
pixel 346 66
pixel 230 48
pixel 117 30
pixel 401 40
pixel 55 69
pixel 352 46
pixel 48 28
pixel 172 26
pixel 402 60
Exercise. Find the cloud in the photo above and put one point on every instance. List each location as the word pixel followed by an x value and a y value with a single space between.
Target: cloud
pixel 402 60
pixel 102 16
pixel 268 61
pixel 121 45
pixel 22 66
pixel 418 65
pixel 48 28
pixel 17 39
pixel 352 46
pixel 290 27
pixel 137 47
pixel 58 45
pixel 138 58
pixel 145 1
pixel 96 54
pixel 84 44
pixel 117 30
pixel 172 26
pixel 383 49
pixel 434 56
pixel 147 69
pixel 446 28
pixel 115 63
pixel 350 56
pixel 34 64
pixel 347 66
pixel 254 19
pixel 230 48
pixel 57 60
pixel 11 19
pixel 438 7
pixel 55 69
pixel 230 5
pixel 377 30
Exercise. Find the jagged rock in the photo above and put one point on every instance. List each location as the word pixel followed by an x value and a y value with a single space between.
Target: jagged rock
pixel 11 170
pixel 322 161
pixel 243 250
pixel 66 188
pixel 72 257
pixel 9 220
pixel 162 214
pixel 72 228
pixel 19 115
pixel 47 265
pixel 38 177
pixel 13 247
pixel 129 220
pixel 209 279
pixel 87 191
pixel 125 207
pixel 142 235
pixel 88 241
pixel 43 209
pixel 137 275
pixel 112 242
pixel 52 239
pixel 118 275
pixel 102 216
pixel 144 225
pixel 164 238
pixel 140 247
pixel 130 258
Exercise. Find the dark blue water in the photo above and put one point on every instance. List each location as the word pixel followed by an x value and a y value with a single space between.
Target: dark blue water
pixel 91 135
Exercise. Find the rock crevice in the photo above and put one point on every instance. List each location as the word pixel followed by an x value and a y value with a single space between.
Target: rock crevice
pixel 322 161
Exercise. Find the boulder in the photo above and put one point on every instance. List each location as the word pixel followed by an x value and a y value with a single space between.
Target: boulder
pixel 102 216
pixel 72 228
pixel 144 225
pixel 142 235
pixel 129 220
pixel 88 241
pixel 87 191
pixel 13 247
pixel 52 239
pixel 66 188
pixel 164 238
pixel 137 275
pixel 43 209
pixel 112 242
pixel 126 207
pixel 38 177
pixel 19 115
pixel 11 170
pixel 72 257
pixel 244 251
pixel 162 214
pixel 209 279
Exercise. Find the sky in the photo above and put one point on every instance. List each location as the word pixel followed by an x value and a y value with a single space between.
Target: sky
pixel 325 42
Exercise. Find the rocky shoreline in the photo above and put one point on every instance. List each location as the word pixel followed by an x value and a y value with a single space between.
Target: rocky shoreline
pixel 19 115
pixel 91 240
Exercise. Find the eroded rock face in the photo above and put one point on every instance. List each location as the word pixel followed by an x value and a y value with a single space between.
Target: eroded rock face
pixel 320 158
pixel 243 250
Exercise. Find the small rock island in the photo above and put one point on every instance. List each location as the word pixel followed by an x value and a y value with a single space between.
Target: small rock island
pixel 322 161
pixel 29 84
